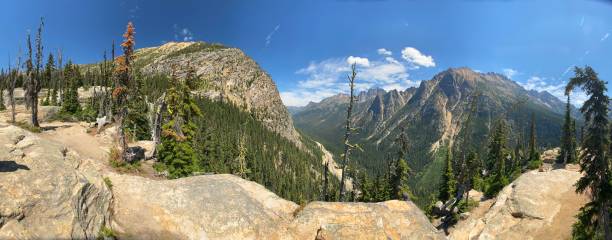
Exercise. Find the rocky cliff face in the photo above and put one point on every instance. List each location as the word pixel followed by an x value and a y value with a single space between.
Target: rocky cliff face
pixel 226 74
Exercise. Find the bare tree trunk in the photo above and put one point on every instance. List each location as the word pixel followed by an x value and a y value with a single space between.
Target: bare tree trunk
pixel 347 134
pixel 35 112
pixel 157 121
pixel 122 142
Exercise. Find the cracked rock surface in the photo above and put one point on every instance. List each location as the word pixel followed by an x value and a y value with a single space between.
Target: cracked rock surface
pixel 537 205
pixel 44 194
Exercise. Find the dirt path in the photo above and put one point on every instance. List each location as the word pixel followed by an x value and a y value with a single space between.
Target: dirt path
pixel 75 137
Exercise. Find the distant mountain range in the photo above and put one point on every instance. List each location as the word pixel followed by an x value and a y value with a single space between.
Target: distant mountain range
pixel 432 115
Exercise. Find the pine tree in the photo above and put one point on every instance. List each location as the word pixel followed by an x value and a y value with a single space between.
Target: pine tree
pixel 496 159
pixel 449 183
pixel 176 148
pixel 568 140
pixel 241 167
pixel 70 98
pixel 401 188
pixel 399 170
pixel 137 121
pixel 534 155
pixel 48 79
pixel 123 72
pixel 594 164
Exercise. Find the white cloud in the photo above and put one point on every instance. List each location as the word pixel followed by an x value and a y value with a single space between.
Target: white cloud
pixel 359 61
pixel 271 34
pixel 558 90
pixel 328 77
pixel 416 58
pixel 384 52
pixel 509 72
pixel 605 36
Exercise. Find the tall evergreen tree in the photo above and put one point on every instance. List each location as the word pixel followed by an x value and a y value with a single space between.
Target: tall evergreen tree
pixel 399 170
pixel 449 183
pixel 48 79
pixel 496 159
pixel 534 154
pixel 594 158
pixel 567 152
pixel 176 148
pixel 71 94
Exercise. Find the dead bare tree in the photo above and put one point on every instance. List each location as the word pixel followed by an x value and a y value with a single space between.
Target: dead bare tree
pixel 347 134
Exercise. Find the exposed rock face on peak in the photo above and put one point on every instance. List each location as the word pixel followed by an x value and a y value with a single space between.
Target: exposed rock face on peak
pixel 226 74
pixel 538 205
pixel 48 192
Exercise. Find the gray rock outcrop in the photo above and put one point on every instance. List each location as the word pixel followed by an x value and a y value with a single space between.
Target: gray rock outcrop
pixel 538 205
pixel 46 191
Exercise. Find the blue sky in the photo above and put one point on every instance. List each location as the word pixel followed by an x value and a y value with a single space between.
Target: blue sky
pixel 306 46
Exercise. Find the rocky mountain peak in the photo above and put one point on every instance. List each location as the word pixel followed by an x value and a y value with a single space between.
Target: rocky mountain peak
pixel 226 74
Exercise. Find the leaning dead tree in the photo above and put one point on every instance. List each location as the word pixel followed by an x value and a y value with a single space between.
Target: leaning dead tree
pixel 347 134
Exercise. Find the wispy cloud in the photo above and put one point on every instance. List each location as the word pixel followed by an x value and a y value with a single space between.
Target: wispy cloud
pixel 271 34
pixel 183 34
pixel 605 36
pixel 581 23
pixel 509 72
pixel 540 84
pixel 328 77
pixel 385 52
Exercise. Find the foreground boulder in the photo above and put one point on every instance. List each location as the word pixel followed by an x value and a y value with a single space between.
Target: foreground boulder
pixel 227 207
pixel 46 191
pixel 385 220
pixel 538 205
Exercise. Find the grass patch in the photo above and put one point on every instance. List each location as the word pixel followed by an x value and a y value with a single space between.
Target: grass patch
pixel 469 206
pixel 28 127
pixel 108 183
pixel 106 233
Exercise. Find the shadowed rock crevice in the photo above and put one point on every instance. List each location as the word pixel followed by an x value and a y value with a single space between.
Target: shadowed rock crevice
pixel 11 166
